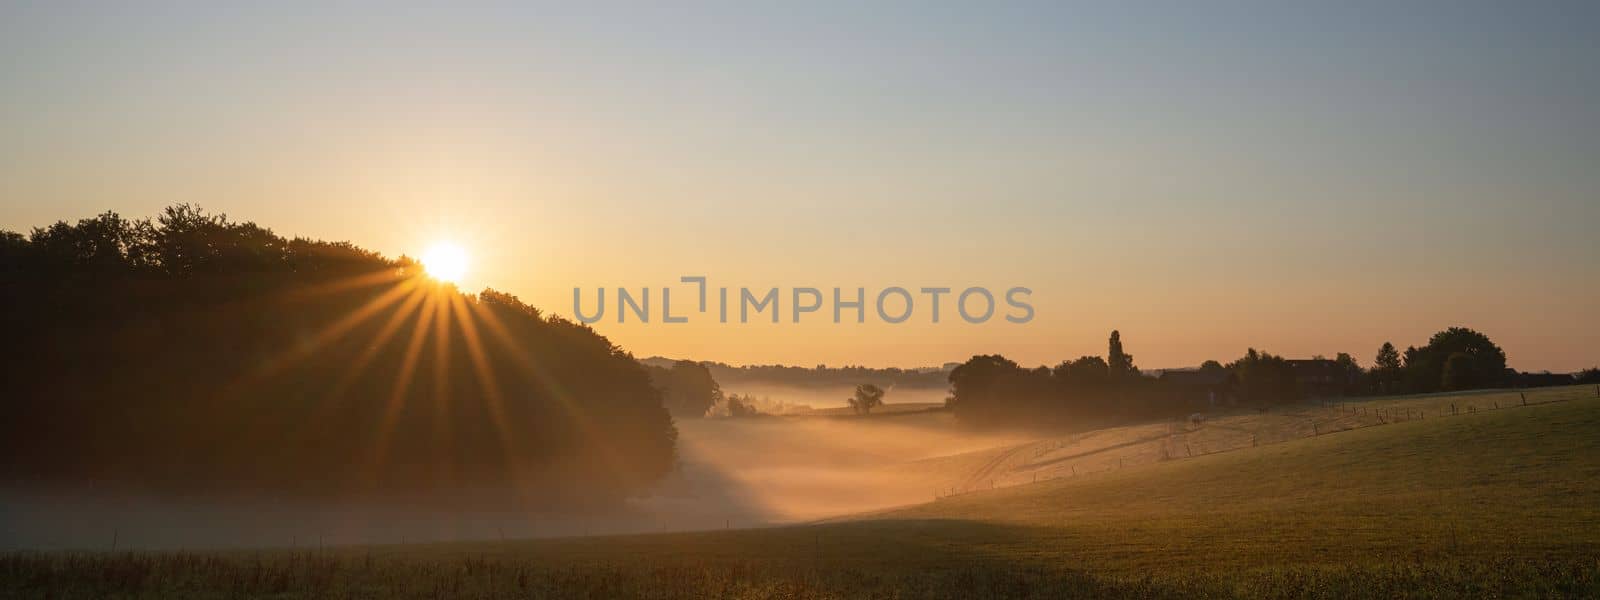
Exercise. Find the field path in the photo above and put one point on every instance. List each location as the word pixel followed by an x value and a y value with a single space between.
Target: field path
pixel 1033 466
pixel 986 472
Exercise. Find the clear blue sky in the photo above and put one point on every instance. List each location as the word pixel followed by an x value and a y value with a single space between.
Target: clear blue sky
pixel 1204 176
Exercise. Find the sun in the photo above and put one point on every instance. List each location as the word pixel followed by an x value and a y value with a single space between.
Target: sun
pixel 445 262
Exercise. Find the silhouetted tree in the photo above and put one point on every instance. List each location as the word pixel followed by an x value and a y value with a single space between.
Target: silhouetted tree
pixel 1265 379
pixel 1350 372
pixel 977 389
pixel 1120 363
pixel 1385 376
pixel 1085 372
pixel 866 398
pixel 1425 367
pixel 687 388
pixel 1388 358
pixel 1082 385
pixel 741 406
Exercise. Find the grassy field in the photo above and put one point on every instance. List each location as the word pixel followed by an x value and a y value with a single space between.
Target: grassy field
pixel 1472 502
pixel 1048 457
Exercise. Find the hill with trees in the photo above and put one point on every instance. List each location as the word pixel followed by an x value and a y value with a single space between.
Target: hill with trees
pixel 195 354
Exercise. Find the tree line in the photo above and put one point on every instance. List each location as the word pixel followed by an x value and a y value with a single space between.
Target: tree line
pixel 991 389
pixel 193 353
pixel 823 376
pixel 689 391
pixel 994 390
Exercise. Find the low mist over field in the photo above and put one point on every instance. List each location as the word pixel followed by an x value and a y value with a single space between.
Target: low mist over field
pixel 797 399
pixel 785 469
pixel 732 472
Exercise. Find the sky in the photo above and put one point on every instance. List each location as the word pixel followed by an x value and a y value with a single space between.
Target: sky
pixel 1204 177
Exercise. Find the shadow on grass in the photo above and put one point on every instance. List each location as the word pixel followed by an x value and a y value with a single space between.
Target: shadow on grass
pixel 889 559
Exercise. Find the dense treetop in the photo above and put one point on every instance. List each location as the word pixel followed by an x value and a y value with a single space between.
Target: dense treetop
pixel 196 353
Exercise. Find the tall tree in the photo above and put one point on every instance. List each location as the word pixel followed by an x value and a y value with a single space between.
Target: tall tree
pixel 1386 371
pixel 1119 363
pixel 1388 358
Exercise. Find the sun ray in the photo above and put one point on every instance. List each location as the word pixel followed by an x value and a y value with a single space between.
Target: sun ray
pixel 494 399
pixel 283 359
pixel 408 365
pixel 502 335
pixel 359 365
pixel 354 282
pixel 343 284
pixel 390 327
pixel 444 428
pixel 332 331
